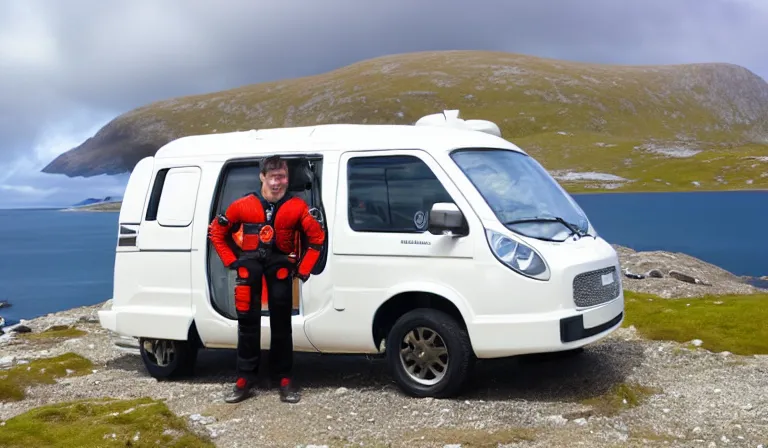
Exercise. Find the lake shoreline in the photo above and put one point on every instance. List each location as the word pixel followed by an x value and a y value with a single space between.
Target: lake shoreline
pixel 713 280
pixel 576 193
pixel 674 226
pixel 611 191
pixel 70 210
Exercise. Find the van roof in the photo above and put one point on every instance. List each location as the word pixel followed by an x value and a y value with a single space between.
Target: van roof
pixel 331 137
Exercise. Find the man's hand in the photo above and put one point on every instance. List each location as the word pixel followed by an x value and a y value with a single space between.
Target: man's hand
pixel 235 264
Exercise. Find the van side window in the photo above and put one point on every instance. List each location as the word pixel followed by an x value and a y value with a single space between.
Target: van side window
pixel 177 201
pixel 154 199
pixel 391 193
pixel 170 203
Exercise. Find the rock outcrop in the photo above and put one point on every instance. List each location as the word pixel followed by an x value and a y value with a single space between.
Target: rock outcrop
pixel 677 275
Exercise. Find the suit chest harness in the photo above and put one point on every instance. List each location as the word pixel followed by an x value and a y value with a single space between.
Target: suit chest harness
pixel 257 239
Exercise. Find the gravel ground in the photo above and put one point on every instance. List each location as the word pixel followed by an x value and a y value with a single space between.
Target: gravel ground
pixel 703 399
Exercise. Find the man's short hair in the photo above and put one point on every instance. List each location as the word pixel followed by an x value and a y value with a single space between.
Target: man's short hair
pixel 273 163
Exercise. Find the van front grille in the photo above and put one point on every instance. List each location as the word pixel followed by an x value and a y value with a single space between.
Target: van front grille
pixel 590 288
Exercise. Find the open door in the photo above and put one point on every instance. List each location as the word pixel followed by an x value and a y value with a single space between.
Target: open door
pixel 238 179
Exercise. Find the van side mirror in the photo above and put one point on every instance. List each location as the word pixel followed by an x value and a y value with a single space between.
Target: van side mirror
pixel 445 218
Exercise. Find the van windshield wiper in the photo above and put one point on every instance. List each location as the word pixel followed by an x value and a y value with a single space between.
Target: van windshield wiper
pixel 574 230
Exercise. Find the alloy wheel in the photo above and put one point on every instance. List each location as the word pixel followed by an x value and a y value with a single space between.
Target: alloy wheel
pixel 424 356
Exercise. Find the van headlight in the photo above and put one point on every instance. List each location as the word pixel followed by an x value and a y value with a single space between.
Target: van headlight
pixel 518 256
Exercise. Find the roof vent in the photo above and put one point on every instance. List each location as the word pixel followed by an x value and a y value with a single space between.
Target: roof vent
pixel 450 118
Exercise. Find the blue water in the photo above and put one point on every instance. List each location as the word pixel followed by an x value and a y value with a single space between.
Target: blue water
pixel 728 229
pixel 52 260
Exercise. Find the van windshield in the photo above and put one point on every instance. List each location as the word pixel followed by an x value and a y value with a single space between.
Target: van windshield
pixel 522 194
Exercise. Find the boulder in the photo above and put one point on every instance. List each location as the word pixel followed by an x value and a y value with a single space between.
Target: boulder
pixel 677 275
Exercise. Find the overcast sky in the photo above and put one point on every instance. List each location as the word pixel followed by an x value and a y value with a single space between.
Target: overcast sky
pixel 67 67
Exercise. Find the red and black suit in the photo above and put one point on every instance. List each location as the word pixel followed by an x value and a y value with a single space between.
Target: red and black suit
pixel 269 239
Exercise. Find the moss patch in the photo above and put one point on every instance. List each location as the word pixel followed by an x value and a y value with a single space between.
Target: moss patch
pixel 92 423
pixel 15 380
pixel 620 397
pixel 724 323
pixel 56 332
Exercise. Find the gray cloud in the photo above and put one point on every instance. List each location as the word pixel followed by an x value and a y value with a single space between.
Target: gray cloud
pixel 67 65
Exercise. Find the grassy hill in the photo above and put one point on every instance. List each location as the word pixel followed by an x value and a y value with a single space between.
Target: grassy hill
pixel 610 127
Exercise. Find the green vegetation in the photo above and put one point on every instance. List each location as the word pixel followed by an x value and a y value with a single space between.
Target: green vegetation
pixel 95 423
pixel 55 332
pixel 724 323
pixel 619 397
pixel 641 123
pixel 15 380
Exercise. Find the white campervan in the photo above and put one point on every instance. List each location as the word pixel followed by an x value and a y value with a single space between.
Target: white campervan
pixel 445 243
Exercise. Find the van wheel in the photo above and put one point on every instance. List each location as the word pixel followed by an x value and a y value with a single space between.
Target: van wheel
pixel 429 354
pixel 165 358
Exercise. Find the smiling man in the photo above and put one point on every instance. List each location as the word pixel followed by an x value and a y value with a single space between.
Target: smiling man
pixel 266 227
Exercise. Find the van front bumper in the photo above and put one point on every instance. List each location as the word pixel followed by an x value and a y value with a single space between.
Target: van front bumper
pixel 510 335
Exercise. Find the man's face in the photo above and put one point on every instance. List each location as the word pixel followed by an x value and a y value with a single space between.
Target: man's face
pixel 274 184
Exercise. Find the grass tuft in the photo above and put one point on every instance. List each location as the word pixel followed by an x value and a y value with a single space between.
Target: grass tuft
pixel 620 397
pixel 15 380
pixel 731 323
pixel 55 332
pixel 101 422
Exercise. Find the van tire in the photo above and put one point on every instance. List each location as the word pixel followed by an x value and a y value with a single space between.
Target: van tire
pixel 182 362
pixel 454 338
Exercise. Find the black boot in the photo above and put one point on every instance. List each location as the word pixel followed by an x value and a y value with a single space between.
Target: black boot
pixel 288 392
pixel 240 392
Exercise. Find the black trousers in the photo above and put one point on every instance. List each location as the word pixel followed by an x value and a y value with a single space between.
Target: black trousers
pixel 248 294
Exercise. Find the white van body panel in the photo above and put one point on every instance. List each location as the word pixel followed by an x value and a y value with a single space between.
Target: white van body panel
pixel 136 192
pixel 163 289
pixel 152 296
pixel 378 266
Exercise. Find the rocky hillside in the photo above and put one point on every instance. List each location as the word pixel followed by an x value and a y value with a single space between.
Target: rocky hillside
pixel 673 127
